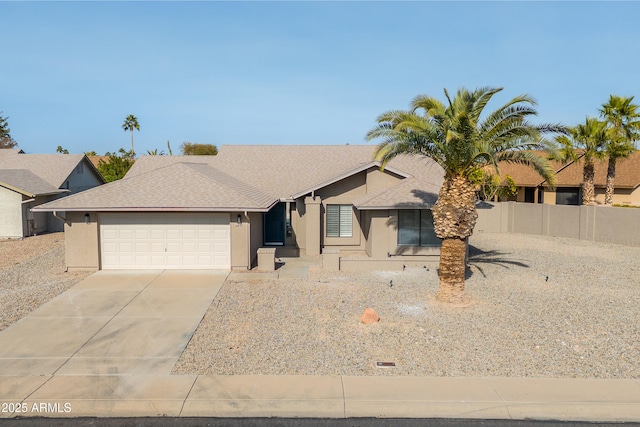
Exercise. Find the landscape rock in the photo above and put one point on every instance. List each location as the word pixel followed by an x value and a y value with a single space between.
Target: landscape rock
pixel 369 316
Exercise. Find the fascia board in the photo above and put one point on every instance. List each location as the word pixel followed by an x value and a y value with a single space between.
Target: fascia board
pixel 348 174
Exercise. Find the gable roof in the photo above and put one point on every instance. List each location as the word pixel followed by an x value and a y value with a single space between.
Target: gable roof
pixel 525 175
pixel 162 189
pixel 27 183
pixel 627 173
pixel 51 168
pixel 570 174
pixel 251 177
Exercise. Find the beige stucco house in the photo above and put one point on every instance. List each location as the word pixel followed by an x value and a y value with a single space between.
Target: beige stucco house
pixel 216 212
pixel 28 180
pixel 533 189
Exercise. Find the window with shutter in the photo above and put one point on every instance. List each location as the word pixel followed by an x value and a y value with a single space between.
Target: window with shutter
pixel 339 220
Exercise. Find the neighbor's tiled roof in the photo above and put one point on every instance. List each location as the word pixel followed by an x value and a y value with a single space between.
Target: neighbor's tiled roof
pixel 26 182
pixel 52 168
pixel 95 160
pixel 525 175
pixel 570 174
pixel 178 187
pixel 627 173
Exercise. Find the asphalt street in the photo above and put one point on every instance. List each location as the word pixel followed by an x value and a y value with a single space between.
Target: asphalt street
pixel 290 422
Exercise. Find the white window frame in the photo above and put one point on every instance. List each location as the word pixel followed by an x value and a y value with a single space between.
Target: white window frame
pixel 342 226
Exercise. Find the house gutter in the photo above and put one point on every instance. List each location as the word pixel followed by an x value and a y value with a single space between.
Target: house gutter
pixel 28 201
pixel 55 214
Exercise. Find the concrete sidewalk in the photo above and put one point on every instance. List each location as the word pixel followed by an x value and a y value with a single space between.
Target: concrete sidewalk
pixel 320 397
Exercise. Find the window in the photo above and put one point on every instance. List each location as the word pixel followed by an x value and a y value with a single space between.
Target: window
pixel 567 196
pixel 339 221
pixel 415 228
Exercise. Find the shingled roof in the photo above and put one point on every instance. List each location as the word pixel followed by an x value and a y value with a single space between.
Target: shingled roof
pixel 26 182
pixel 254 177
pixel 51 168
pixel 627 173
pixel 570 174
pixel 174 187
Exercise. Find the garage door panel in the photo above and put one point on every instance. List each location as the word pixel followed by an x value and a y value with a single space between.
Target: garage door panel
pixel 165 240
pixel 141 233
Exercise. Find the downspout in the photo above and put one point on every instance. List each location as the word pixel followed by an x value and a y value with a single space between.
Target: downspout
pixel 55 214
pixel 22 213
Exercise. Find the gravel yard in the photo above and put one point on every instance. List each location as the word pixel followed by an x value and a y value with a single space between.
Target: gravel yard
pixel 32 273
pixel 542 307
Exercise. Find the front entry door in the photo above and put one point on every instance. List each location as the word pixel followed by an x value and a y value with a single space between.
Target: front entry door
pixel 274 225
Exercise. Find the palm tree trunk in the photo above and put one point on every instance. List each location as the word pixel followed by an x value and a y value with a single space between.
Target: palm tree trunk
pixel 452 270
pixel 611 176
pixel 588 193
pixel 133 153
pixel 454 217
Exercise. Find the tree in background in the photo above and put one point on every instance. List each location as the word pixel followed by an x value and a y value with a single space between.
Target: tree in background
pixel 489 186
pixel 588 141
pixel 155 152
pixel 459 137
pixel 624 130
pixel 62 150
pixel 6 141
pixel 131 123
pixel 169 148
pixel 116 166
pixel 189 149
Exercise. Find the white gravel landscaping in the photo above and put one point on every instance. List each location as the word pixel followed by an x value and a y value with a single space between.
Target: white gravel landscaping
pixel 32 273
pixel 542 307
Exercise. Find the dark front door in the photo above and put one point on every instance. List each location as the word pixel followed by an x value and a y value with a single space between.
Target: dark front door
pixel 274 225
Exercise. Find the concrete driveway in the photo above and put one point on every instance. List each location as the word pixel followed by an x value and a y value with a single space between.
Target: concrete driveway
pixel 112 323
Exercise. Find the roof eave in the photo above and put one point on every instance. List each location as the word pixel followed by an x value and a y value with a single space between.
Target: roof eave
pixel 150 209
pixel 348 174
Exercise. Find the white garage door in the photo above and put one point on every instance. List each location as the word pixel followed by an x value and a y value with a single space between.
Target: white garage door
pixel 156 240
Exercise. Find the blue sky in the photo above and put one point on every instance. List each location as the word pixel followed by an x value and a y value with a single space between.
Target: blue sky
pixel 293 72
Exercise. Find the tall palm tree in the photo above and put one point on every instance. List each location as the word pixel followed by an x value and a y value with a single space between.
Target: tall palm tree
pixel 586 141
pixel 131 123
pixel 624 121
pixel 458 137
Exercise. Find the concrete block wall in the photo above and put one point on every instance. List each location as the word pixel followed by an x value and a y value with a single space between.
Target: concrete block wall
pixel 595 223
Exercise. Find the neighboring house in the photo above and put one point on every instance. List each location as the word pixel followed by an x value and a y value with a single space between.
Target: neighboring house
pixel 215 212
pixel 28 180
pixel 532 189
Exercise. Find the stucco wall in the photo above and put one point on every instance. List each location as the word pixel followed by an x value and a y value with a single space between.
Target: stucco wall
pixel 255 239
pixel 81 241
pixel 596 223
pixel 10 213
pixel 378 180
pixel 240 242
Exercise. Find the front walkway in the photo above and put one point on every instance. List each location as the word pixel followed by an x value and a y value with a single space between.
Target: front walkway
pixel 113 322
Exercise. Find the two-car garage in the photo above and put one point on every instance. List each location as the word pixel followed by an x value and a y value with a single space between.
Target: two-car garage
pixel 164 240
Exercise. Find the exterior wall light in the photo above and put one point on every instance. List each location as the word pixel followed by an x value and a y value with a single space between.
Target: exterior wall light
pixel 86 218
pixel 239 220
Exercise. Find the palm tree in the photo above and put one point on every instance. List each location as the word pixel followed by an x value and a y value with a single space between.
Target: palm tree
pixel 131 123
pixel 623 118
pixel 462 140
pixel 587 141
